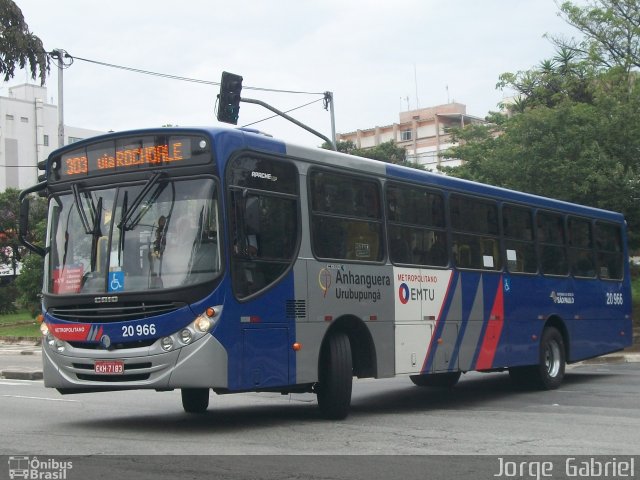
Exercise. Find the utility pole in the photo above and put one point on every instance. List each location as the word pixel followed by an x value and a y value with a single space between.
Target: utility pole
pixel 58 55
pixel 328 99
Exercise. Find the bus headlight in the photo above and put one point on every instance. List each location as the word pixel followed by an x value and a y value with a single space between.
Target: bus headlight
pixel 166 343
pixel 186 336
pixel 193 332
pixel 59 345
pixel 51 341
pixel 44 328
pixel 202 324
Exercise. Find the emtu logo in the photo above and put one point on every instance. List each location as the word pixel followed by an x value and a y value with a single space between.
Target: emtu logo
pixel 403 293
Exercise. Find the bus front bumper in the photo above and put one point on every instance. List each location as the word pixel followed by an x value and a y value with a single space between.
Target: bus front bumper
pixel 202 363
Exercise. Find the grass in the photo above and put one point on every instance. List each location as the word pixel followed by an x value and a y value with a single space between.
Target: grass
pixel 27 327
pixel 635 295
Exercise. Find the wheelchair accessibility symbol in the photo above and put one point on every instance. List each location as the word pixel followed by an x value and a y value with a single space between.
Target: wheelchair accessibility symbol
pixel 116 281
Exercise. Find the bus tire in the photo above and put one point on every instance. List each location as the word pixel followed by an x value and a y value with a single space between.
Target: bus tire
pixel 195 400
pixel 335 377
pixel 441 380
pixel 549 372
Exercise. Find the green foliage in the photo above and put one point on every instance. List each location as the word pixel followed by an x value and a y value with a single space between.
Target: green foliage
pixel 10 251
pixel 29 283
pixel 7 299
pixel 611 30
pixel 18 46
pixel 572 152
pixel 573 132
pixel 387 152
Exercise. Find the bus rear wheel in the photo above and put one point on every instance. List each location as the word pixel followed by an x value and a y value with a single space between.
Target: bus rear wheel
pixel 442 380
pixel 195 400
pixel 335 377
pixel 549 372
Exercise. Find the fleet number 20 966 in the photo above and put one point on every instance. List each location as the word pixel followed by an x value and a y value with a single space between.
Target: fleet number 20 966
pixel 139 330
pixel 615 298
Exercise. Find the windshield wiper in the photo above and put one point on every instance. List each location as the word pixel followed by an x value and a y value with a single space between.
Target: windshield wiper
pixel 96 233
pixel 127 216
pixel 83 216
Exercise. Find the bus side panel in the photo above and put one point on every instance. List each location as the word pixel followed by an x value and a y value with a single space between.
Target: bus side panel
pixel 470 333
pixel 258 335
pixel 593 327
pixel 353 294
pixel 600 322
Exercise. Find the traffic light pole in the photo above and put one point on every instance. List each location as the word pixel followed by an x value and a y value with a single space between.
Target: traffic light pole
pixel 293 120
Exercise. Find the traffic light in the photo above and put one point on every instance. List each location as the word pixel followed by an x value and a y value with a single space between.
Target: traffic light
pixel 229 98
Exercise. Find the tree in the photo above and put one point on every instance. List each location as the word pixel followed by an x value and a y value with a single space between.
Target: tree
pixel 611 30
pixel 387 152
pixel 29 282
pixel 9 244
pixel 18 46
pixel 573 132
pixel 580 152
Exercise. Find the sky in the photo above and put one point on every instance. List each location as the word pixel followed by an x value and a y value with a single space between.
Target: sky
pixel 377 57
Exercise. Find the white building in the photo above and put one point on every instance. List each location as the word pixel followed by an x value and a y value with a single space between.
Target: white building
pixel 28 134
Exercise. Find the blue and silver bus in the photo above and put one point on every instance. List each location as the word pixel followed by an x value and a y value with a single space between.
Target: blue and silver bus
pixel 221 259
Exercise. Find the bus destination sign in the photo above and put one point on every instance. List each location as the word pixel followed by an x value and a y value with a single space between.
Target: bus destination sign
pixel 128 155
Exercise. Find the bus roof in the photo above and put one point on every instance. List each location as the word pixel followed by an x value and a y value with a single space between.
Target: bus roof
pixel 254 139
pixel 438 180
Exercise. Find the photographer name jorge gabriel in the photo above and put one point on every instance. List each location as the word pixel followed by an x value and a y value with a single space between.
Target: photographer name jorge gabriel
pixel 573 468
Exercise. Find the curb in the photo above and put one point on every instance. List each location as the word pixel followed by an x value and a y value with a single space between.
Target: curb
pixel 21 341
pixel 628 357
pixel 19 374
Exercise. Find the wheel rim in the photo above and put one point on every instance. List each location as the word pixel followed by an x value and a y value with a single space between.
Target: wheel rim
pixel 552 359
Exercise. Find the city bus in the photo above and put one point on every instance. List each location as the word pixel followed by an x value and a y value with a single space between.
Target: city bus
pixel 224 260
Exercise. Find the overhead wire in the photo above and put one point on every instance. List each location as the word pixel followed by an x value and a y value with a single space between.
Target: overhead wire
pixel 286 111
pixel 61 55
pixel 185 79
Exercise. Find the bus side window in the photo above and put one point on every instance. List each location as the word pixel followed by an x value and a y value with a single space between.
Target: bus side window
pixel 551 241
pixel 609 251
pixel 346 222
pixel 416 226
pixel 474 223
pixel 520 252
pixel 581 248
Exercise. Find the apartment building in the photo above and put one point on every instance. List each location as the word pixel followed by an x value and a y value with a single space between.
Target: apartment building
pixel 29 133
pixel 423 133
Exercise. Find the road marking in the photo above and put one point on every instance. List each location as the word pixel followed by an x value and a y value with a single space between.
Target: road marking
pixel 41 398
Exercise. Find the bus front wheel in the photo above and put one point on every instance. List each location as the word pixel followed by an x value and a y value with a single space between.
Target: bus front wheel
pixel 195 400
pixel 335 377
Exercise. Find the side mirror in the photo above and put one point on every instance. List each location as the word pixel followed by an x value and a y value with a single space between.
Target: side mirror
pixel 23 221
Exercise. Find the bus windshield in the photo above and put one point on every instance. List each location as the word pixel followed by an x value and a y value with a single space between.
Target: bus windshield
pixel 162 234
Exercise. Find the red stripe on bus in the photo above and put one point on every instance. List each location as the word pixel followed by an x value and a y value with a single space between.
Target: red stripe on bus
pixel 492 333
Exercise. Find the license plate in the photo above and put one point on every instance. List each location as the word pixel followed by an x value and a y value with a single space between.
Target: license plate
pixel 109 367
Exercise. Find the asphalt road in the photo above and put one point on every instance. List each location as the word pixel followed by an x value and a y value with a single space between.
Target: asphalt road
pixel 395 430
pixel 595 412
